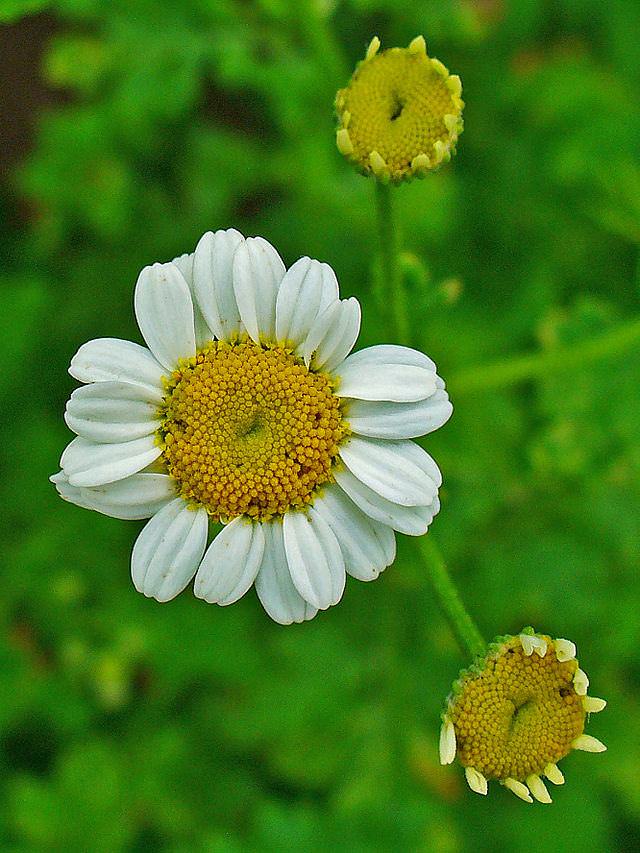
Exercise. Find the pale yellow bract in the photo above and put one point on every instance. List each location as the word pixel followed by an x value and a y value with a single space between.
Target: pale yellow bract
pixel 401 113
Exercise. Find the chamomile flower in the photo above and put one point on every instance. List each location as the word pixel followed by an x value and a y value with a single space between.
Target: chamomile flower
pixel 400 116
pixel 246 421
pixel 514 714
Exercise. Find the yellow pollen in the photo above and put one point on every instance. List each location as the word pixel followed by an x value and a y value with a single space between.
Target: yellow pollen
pixel 249 430
pixel 517 714
pixel 401 113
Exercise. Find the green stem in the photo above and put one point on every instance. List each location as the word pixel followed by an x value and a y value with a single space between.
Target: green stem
pixel 461 622
pixel 501 374
pixel 389 244
pixel 465 629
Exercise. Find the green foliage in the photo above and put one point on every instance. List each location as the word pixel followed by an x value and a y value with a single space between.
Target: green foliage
pixel 126 725
pixel 12 10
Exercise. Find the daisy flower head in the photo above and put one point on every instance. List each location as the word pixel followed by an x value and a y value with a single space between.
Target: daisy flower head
pixel 260 449
pixel 400 115
pixel 518 711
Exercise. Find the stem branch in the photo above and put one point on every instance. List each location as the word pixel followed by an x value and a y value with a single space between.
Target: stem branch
pixel 464 628
pixel 389 243
pixel 507 372
pixel 461 622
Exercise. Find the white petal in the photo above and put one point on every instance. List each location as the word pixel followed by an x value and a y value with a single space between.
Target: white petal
pixel 384 354
pixel 382 419
pixel 368 547
pixel 203 332
pixel 447 742
pixel 581 682
pixel 112 412
pixel 526 641
pixel 531 643
pixel 257 273
pixel 72 494
pixel 300 298
pixel 400 471
pixel 332 335
pixel 115 360
pixel 476 781
pixel 185 265
pixel 593 705
pixel 387 372
pixel 231 563
pixel 412 520
pixel 541 647
pixel 164 312
pixel 538 789
pixel 396 382
pixel 315 560
pixel 554 774
pixel 565 649
pixel 136 497
pixel 339 340
pixel 274 586
pixel 168 550
pixel 519 789
pixel 89 464
pixel 319 329
pixel 586 743
pixel 330 288
pixel 213 281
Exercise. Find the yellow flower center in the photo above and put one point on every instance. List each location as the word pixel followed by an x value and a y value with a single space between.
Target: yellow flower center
pixel 249 430
pixel 518 714
pixel 400 114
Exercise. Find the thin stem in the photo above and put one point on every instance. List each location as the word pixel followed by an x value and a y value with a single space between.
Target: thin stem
pixel 461 622
pixel 465 629
pixel 389 244
pixel 501 374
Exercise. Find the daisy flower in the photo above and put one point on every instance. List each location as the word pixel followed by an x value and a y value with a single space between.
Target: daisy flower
pixel 400 115
pixel 517 712
pixel 246 421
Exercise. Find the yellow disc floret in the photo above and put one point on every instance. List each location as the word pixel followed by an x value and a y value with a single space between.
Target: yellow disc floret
pixel 401 114
pixel 248 429
pixel 518 714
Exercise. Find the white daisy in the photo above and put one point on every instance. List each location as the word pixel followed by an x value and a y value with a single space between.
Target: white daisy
pixel 245 408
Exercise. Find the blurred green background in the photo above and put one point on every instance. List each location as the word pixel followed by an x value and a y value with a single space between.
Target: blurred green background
pixel 130 128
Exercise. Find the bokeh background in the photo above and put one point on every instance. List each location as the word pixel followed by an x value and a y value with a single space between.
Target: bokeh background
pixel 131 127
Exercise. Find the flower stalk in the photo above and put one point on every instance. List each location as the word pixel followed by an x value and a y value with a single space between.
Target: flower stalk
pixel 465 630
pixel 389 245
pixel 463 626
